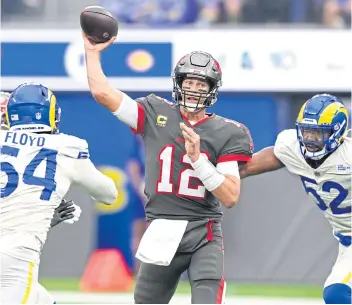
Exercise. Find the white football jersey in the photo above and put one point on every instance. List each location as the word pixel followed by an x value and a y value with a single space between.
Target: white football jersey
pixel 329 185
pixel 37 171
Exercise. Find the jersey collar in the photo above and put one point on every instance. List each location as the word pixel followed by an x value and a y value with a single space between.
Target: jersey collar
pixel 209 116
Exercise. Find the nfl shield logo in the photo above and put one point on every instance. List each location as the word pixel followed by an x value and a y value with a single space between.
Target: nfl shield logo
pixel 38 115
pixel 14 117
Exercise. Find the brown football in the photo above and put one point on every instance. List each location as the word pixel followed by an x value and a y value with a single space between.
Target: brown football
pixel 98 24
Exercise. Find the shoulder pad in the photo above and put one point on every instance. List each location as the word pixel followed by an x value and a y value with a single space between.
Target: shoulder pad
pixel 147 98
pixel 241 129
pixel 284 142
pixel 155 98
pixel 73 147
pixel 141 99
pixel 239 125
pixel 163 99
pixel 287 137
pixel 348 150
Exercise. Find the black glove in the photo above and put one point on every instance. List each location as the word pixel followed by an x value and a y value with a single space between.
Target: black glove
pixel 63 212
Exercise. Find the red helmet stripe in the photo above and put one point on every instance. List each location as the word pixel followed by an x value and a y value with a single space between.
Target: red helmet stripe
pixel 218 66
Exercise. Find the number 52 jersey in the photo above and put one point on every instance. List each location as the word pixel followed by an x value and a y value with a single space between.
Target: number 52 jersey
pixel 329 185
pixel 37 170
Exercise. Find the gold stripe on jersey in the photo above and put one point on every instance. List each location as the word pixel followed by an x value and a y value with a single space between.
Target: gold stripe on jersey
pixel 29 283
pixel 347 278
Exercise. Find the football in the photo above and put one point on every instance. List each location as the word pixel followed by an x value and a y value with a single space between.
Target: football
pixel 98 24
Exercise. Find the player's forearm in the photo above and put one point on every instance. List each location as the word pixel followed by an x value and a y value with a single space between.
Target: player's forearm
pixel 228 192
pixel 99 85
pixel 262 162
pixel 99 186
pixel 105 191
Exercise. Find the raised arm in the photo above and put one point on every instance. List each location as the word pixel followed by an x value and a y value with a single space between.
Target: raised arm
pixel 262 162
pixel 99 85
pixel 120 104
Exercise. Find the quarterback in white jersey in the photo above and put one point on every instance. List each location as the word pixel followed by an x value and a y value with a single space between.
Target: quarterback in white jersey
pixel 38 166
pixel 320 152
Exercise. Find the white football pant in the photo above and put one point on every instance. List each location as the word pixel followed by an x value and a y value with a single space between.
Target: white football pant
pixel 19 282
pixel 341 272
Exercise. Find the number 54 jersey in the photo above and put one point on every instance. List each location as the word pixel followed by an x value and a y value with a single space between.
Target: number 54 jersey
pixel 329 185
pixel 37 170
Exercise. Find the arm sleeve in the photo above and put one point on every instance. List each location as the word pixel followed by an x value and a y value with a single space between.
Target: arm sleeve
pixel 147 110
pixel 135 113
pixel 99 186
pixel 239 147
pixel 129 112
pixel 84 173
pixel 229 168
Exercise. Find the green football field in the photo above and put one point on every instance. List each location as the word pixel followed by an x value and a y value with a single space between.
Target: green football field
pixel 284 291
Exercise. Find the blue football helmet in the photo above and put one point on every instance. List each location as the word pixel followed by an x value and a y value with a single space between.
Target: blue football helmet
pixel 321 126
pixel 33 107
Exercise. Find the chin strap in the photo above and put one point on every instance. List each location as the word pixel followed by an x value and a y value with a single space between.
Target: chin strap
pixel 305 152
pixel 186 108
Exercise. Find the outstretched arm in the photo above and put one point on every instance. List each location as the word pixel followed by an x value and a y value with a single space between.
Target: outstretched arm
pixel 102 91
pixel 119 103
pixel 262 162
pixel 100 88
pixel 99 186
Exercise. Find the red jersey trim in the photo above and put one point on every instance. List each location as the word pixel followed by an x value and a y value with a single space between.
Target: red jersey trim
pixel 234 157
pixel 140 120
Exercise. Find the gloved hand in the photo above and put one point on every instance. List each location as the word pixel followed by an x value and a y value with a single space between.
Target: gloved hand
pixel 76 214
pixel 67 212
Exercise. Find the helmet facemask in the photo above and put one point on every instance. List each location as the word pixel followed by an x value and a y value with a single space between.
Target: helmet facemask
pixel 318 140
pixel 199 66
pixel 194 101
pixel 321 126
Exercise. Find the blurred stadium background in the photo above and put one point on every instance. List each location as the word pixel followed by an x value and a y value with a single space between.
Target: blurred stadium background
pixel 274 55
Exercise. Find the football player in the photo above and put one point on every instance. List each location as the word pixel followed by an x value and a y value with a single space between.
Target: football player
pixel 320 152
pixel 192 162
pixel 67 212
pixel 38 166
